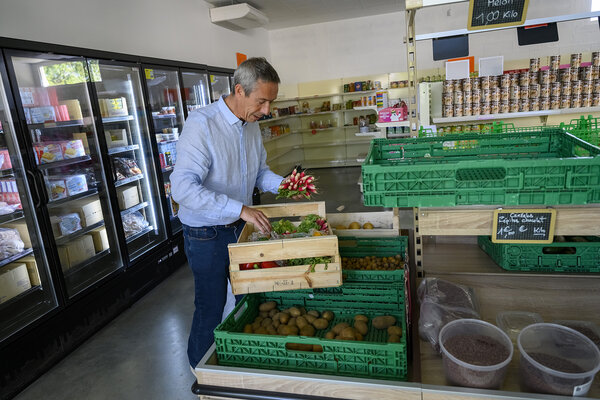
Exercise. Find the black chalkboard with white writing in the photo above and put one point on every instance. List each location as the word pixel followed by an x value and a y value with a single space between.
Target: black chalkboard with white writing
pixel 524 226
pixel 496 13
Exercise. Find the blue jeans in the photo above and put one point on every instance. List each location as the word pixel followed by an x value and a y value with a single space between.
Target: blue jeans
pixel 206 251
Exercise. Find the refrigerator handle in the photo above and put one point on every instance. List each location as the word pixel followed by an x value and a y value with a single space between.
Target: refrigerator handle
pixel 42 190
pixel 33 185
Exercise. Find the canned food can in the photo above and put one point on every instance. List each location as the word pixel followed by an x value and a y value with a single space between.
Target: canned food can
pixel 565 89
pixel 555 89
pixel 474 128
pixel 514 93
pixel 596 59
pixel 468 97
pixel 514 79
pixel 524 79
pixel 466 84
pixel 458 97
pixel 534 105
pixel 533 78
pixel 448 111
pixel 514 105
pixel 534 64
pixel 545 90
pixel 486 95
pixel 504 94
pixel 476 95
pixel 494 82
pixel 554 63
pixel 484 82
pixel 523 105
pixel 544 104
pixel 574 74
pixel 467 110
pixel 587 87
pixel 495 107
pixel 553 76
pixel 595 72
pixel 565 101
pixel 565 75
pixel 504 107
pixel 586 73
pixel 485 108
pixel 545 77
pixel 476 109
pixel 576 102
pixel 475 83
pixel 457 85
pixel 505 80
pixel 554 102
pixel 596 100
pixel 524 92
pixel 495 96
pixel 596 88
pixel 575 60
pixel 448 99
pixel 458 110
pixel 453 129
pixel 576 87
pixel 448 86
pixel 346 88
pixel 534 91
pixel 586 100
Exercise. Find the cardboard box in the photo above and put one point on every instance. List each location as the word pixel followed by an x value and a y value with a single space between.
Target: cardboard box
pixel 9 192
pixel 128 196
pixel 72 149
pixel 14 280
pixel 73 107
pixel 57 188
pixel 47 152
pixel 116 138
pixel 32 270
pixel 83 137
pixel 100 239
pixel 65 224
pixel 21 227
pixel 76 252
pixel 4 158
pixel 76 184
pixel 90 211
pixel 40 115
pixel 116 107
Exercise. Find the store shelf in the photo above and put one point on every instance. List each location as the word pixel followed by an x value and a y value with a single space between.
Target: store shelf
pixel 274 138
pixel 8 304
pixel 298 116
pixel 129 180
pixel 317 96
pixel 167 169
pixel 283 153
pixel 67 238
pixel 78 196
pixel 314 130
pixel 164 116
pixel 123 149
pixel 276 118
pixel 6 173
pixel 139 234
pixel 543 113
pixel 11 217
pixel 392 124
pixel 363 108
pixel 57 124
pixel 77 268
pixel 15 257
pixel 135 208
pixel 109 120
pixel 63 163
pixel 371 134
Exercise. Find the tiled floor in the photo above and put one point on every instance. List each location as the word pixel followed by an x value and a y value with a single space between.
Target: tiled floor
pixel 142 353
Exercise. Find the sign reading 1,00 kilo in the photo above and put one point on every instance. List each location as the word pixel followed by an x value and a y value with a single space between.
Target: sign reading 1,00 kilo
pixel 484 14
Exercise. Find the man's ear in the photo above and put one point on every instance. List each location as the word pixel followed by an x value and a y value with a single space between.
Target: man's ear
pixel 239 90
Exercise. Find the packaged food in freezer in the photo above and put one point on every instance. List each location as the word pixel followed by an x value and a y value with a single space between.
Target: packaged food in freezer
pixel 134 223
pixel 72 149
pixel 76 184
pixel 47 152
pixel 32 270
pixel 127 196
pixel 76 251
pixel 4 158
pixel 83 137
pixel 10 243
pixel 57 188
pixel 116 137
pixel 125 168
pixel 39 115
pixel 65 224
pixel 9 196
pixel 100 239
pixel 73 107
pixel 14 280
pixel 115 107
pixel 90 210
pixel 27 96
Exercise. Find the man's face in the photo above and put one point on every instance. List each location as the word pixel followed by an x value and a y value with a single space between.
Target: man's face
pixel 258 103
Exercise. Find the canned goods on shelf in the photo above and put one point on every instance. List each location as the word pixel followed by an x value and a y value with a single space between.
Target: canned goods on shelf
pixel 495 107
pixel 524 79
pixel 554 63
pixel 596 58
pixel 486 95
pixel 534 64
pixel 596 88
pixel 458 110
pixel 545 77
pixel 533 78
pixel 524 105
pixel 565 89
pixel 504 107
pixel 576 87
pixel 575 102
pixel 514 106
pixel 576 60
pixel 554 102
pixel 574 74
pixel 555 89
pixel 505 81
pixel 586 73
pixel 524 92
pixel 565 75
pixel 553 76
pixel 494 82
pixel 545 104
pixel 565 101
pixel 495 95
pixel 514 79
pixel 476 109
pixel 534 105
pixel 534 91
pixel 586 100
pixel 475 83
pixel 476 95
pixel 449 111
pixel 485 108
pixel 457 85
pixel 587 87
pixel 447 99
pixel 504 94
pixel 484 82
pixel 458 97
pixel 448 87
pixel 515 93
pixel 466 84
pixel 595 72
pixel 467 110
pixel 596 100
pixel 545 90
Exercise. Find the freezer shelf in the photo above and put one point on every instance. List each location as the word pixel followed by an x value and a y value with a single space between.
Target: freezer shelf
pixel 63 163
pixel 139 234
pixel 135 208
pixel 123 149
pixel 68 238
pixel 77 268
pixel 15 257
pixel 77 196
pixel 129 180
pixel 11 217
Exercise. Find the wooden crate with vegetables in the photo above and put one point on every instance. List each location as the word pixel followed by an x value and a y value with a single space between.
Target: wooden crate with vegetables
pixel 301 252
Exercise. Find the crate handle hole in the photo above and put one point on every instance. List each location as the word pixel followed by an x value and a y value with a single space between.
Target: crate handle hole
pixel 559 250
pixel 308 348
pixel 481 174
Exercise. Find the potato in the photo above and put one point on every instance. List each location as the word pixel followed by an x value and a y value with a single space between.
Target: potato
pixel 293 330
pixel 314 313
pixel 284 317
pixel 281 329
pixel 258 319
pixel 307 330
pixel 354 225
pixel 302 310
pixel 359 336
pixel 271 330
pixel 273 312
pixel 360 317
pixel 384 321
pixel 248 328
pixel 264 314
pixel 321 323
pixel 368 225
pixel 348 333
pixel 330 335
pixel 340 327
pixel 310 318
pixel 276 324
pixel 266 322
pixel 341 227
pixel 328 315
pixel 276 316
pixel 292 322
pixel 301 322
pixel 394 330
pixel 262 330
pixel 268 306
pixel 394 339
pixel 295 312
pixel 361 327
pixel 317 348
pixel 255 326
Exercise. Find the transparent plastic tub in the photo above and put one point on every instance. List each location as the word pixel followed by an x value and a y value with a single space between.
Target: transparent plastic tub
pixel 512 322
pixel 557 360
pixel 588 328
pixel 486 347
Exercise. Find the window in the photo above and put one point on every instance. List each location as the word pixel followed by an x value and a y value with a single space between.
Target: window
pixel 595 7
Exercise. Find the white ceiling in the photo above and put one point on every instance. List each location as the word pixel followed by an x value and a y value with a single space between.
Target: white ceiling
pixel 288 13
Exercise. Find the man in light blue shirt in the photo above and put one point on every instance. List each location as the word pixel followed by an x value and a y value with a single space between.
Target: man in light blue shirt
pixel 220 159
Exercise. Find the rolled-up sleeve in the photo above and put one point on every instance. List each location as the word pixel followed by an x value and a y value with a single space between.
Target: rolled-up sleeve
pixel 191 169
pixel 267 180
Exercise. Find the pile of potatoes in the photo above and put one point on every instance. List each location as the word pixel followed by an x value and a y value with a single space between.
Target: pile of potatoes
pixel 296 321
pixel 372 263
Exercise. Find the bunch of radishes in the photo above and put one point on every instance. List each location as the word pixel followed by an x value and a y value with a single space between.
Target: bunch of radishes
pixel 298 183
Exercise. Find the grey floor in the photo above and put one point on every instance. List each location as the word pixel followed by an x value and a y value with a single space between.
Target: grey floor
pixel 142 353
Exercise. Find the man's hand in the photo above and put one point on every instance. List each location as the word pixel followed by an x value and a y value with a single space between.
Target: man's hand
pixel 257 218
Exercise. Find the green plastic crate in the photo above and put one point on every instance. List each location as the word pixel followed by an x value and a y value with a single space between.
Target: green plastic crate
pixel 521 168
pixel 585 128
pixel 372 358
pixel 585 256
pixel 378 247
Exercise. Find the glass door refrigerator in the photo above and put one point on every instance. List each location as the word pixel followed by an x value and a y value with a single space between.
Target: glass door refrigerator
pixel 53 96
pixel 26 288
pixel 118 88
pixel 219 85
pixel 167 116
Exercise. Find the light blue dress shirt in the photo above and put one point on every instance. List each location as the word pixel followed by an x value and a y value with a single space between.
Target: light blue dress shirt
pixel 219 162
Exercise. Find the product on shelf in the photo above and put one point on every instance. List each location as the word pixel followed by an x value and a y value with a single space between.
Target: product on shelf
pixel 116 137
pixel 125 168
pixel 72 149
pixel 10 243
pixel 61 186
pixel 65 224
pixel 73 107
pixel 48 152
pixel 14 280
pixel 127 196
pixel 167 154
pixel 90 211
pixel 134 223
pixel 76 251
pixel 4 158
pixel 100 239
pixel 10 201
pixel 114 107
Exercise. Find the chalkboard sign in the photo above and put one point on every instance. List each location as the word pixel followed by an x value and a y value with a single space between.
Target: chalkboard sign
pixel 485 14
pixel 524 226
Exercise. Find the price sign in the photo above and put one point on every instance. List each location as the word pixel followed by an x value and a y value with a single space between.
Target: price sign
pixel 485 14
pixel 149 73
pixel 524 226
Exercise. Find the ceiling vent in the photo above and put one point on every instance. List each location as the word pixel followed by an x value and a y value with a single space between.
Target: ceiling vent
pixel 238 16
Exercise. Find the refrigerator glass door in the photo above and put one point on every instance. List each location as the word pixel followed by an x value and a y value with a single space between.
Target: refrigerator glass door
pixel 127 137
pixel 164 94
pixel 195 90
pixel 56 103
pixel 219 86
pixel 26 288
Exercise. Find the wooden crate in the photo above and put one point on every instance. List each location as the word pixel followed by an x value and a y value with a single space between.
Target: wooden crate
pixel 285 278
pixel 385 223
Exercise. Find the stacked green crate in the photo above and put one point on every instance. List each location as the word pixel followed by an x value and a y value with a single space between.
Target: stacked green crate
pixel 358 247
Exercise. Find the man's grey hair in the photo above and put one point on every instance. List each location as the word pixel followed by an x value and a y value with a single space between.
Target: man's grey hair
pixel 253 70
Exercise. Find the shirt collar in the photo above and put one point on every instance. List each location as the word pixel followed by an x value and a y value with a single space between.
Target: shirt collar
pixel 229 116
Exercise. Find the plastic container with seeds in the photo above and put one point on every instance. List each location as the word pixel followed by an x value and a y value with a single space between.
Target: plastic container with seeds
pixel 513 322
pixel 587 328
pixel 554 62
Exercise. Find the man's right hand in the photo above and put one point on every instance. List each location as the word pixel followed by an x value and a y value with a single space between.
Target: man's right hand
pixel 257 218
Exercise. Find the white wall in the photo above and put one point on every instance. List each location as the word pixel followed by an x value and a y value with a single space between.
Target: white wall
pixel 374 45
pixel 174 29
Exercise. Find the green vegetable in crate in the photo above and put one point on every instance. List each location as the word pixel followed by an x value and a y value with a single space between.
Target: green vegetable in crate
pixel 372 263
